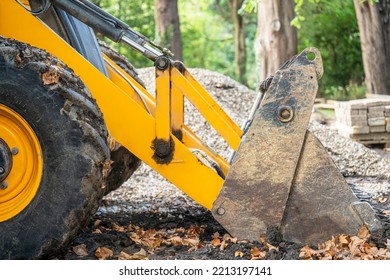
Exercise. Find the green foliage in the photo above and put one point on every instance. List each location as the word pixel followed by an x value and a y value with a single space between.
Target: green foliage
pixel 207 35
pixel 249 6
pixel 206 42
pixel 348 92
pixel 331 26
pixel 298 7
pixel 139 15
pixel 206 30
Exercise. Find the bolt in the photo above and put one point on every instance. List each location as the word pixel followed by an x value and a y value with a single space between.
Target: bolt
pixel 14 151
pixel 162 63
pixel 2 170
pixel 285 114
pixel 4 185
pixel 221 211
pixel 163 149
pixel 179 66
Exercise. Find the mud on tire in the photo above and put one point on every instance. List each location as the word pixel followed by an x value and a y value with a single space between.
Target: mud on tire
pixel 72 135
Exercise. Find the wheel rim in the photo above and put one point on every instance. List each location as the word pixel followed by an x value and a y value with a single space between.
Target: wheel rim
pixel 19 187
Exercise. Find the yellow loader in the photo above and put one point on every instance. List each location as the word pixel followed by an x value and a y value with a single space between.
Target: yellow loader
pixel 75 122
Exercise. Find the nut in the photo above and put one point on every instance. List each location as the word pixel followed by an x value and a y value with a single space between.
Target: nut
pixel 285 114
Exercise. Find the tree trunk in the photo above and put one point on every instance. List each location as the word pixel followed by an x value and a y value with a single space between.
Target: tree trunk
pixel 168 26
pixel 276 40
pixel 239 40
pixel 373 21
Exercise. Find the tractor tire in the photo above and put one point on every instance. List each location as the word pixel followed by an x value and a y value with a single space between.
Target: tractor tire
pixel 121 61
pixel 67 140
pixel 124 162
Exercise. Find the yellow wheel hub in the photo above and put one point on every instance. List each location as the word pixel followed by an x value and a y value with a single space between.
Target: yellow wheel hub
pixel 19 187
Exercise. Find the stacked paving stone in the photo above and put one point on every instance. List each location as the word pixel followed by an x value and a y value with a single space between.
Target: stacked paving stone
pixel 364 120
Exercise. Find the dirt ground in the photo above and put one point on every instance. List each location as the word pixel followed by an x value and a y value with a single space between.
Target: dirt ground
pixel 148 218
pixel 177 234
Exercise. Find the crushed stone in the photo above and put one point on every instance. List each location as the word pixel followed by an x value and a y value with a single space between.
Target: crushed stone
pixel 146 190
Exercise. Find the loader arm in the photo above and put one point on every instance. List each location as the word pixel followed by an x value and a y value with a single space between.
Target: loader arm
pixel 127 120
pixel 251 195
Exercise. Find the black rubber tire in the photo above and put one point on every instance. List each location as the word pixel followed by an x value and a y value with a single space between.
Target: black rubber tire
pixel 121 60
pixel 124 162
pixel 73 138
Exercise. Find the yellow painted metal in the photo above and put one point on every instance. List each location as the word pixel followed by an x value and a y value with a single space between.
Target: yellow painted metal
pixel 129 85
pixel 127 121
pixel 212 112
pixel 193 142
pixel 163 104
pixel 26 172
pixel 177 109
pixel 199 88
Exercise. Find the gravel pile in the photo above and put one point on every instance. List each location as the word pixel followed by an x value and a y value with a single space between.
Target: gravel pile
pixel 147 190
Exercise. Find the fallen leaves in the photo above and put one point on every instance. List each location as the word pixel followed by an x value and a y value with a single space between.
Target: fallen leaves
pixel 256 254
pixel 146 242
pixel 141 255
pixel 80 250
pixel 223 242
pixel 348 248
pixel 382 199
pixel 387 212
pixel 150 239
pixel 363 233
pixel 52 76
pixel 238 254
pixel 153 239
pixel 103 253
pixel 106 168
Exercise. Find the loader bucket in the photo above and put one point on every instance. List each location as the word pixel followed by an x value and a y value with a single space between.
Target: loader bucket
pixel 281 176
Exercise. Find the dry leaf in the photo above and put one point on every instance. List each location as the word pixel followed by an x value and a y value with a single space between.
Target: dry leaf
pixel 141 255
pixel 112 143
pixel 18 59
pixel 382 199
pixel 50 77
pixel 270 247
pixel 118 228
pixel 229 238
pixel 344 240
pixel 224 244
pixel 216 241
pixel 180 230
pixel 307 253
pixel 238 254
pixel 387 212
pixel 106 167
pixel 97 231
pixel 176 240
pixel 191 241
pixel 103 253
pixel 80 250
pixel 97 223
pixel 256 254
pixel 363 232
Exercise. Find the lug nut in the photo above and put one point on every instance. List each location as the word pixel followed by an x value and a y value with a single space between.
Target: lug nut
pixel 2 170
pixel 14 151
pixel 4 185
